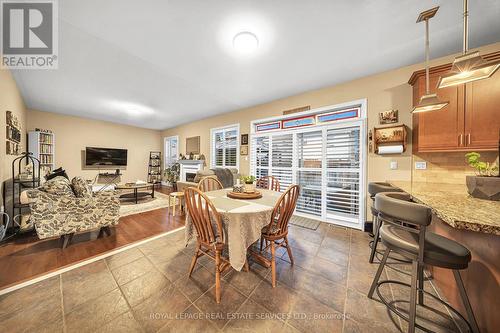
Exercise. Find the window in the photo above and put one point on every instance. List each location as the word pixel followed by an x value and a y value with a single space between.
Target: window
pixel 171 150
pixel 325 159
pixel 224 146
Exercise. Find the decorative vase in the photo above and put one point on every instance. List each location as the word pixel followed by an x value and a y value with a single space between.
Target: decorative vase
pixel 483 187
pixel 249 188
pixel 238 188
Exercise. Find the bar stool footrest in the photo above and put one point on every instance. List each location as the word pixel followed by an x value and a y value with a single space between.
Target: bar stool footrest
pixel 377 252
pixel 401 315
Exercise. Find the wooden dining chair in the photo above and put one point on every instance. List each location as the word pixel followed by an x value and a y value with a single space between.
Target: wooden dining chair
pixel 269 183
pixel 210 238
pixel 275 234
pixel 209 183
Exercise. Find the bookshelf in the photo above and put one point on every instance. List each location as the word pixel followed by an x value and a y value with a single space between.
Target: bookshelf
pixel 154 167
pixel 42 145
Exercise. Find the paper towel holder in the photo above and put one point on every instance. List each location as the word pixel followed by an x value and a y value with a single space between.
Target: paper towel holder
pixel 390 136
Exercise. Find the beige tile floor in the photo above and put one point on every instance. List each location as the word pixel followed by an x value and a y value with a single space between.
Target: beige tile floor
pixel 146 289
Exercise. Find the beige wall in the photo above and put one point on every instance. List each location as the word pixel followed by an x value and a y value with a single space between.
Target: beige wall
pixel 10 100
pixel 450 168
pixel 384 91
pixel 73 134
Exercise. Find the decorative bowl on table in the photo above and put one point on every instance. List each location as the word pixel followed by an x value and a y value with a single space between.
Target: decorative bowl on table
pixel 244 195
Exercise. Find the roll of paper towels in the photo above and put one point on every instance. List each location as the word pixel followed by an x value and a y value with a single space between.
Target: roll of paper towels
pixel 396 149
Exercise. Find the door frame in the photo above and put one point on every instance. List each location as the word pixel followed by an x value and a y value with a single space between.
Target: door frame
pixel 361 121
pixel 165 139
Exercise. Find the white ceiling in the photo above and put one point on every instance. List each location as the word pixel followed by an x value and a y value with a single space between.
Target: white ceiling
pixel 158 64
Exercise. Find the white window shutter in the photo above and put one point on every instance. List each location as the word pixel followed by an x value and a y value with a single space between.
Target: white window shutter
pixel 309 172
pixel 343 172
pixel 325 161
pixel 225 147
pixel 259 161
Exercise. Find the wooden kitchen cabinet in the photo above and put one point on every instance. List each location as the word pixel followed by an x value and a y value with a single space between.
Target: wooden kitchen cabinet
pixel 471 120
pixel 482 113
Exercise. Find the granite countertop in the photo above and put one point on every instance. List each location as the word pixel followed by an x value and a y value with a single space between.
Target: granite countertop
pixel 452 204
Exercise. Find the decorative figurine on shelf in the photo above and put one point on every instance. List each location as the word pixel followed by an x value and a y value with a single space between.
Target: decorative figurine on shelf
pixel 27 174
pixel 28 168
pixel 182 157
pixel 191 156
pixel 202 158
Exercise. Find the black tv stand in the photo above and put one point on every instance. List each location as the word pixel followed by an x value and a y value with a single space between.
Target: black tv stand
pixel 109 178
pixel 109 174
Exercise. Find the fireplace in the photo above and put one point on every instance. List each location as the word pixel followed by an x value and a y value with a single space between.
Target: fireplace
pixel 190 176
pixel 189 169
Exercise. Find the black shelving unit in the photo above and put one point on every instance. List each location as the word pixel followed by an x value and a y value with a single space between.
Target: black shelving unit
pixel 154 168
pixel 19 184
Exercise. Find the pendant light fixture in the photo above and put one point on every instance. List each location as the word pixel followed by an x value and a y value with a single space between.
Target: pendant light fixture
pixel 470 66
pixel 428 102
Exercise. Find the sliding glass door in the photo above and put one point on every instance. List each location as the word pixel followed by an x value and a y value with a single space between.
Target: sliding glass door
pixel 343 173
pixel 326 161
pixel 309 171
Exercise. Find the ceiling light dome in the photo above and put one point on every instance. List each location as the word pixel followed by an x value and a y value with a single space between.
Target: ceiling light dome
pixel 245 42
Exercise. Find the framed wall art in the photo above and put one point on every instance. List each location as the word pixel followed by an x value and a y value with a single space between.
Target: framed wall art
pixel 193 145
pixel 244 139
pixel 388 117
pixel 243 150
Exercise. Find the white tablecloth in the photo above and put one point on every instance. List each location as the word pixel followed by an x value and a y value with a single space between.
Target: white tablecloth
pixel 242 221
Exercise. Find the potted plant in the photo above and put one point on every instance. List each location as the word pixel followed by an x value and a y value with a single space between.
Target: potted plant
pixel 172 175
pixel 248 181
pixel 486 183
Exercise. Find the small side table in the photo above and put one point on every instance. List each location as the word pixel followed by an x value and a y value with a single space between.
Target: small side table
pixel 175 196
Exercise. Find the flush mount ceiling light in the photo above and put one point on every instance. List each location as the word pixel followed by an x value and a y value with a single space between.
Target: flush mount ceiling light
pixel 469 66
pixel 245 42
pixel 428 102
pixel 130 109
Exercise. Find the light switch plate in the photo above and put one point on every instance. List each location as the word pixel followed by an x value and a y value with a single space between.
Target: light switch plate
pixel 394 165
pixel 420 165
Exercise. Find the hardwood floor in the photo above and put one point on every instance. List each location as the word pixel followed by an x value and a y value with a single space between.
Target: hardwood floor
pixel 27 257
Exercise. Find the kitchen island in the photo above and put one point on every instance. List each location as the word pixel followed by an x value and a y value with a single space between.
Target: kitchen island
pixel 475 223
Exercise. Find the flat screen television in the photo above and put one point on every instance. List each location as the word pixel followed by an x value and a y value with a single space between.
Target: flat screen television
pixel 96 156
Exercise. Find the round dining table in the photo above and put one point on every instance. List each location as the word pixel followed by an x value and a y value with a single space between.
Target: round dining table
pixel 242 219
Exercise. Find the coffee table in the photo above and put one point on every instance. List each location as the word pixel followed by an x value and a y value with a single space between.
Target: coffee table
pixel 139 191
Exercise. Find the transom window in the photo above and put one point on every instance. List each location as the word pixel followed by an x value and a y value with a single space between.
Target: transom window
pixel 224 146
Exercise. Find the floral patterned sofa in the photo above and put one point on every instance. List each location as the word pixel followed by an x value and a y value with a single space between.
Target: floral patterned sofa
pixel 61 209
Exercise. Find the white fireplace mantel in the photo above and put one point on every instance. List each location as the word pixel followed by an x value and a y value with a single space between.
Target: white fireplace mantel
pixel 190 166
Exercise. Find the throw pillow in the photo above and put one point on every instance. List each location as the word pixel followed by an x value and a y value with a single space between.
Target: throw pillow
pixel 57 186
pixel 55 173
pixel 81 188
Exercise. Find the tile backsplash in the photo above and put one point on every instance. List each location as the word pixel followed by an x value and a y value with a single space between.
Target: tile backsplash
pixel 450 168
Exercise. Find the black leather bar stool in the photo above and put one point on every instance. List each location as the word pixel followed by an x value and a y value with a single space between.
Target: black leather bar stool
pixel 373 189
pixel 404 232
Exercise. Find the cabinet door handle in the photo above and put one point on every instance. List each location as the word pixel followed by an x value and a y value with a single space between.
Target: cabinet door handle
pixel 460 140
pixel 468 139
